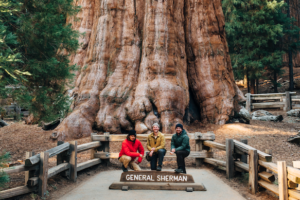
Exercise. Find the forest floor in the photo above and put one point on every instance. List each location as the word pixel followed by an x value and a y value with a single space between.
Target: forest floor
pixel 18 138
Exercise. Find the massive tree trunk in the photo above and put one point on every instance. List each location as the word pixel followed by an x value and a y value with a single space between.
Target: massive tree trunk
pixel 141 58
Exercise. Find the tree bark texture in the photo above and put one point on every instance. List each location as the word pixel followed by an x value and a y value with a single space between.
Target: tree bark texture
pixel 139 61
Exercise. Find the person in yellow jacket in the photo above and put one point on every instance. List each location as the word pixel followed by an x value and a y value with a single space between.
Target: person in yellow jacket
pixel 156 145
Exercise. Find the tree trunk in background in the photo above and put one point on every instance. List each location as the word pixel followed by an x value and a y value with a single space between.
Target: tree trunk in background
pixel 275 82
pixel 252 86
pixel 257 85
pixel 245 81
pixel 139 60
pixel 248 82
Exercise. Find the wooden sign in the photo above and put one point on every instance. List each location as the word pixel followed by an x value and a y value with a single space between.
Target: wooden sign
pixel 155 176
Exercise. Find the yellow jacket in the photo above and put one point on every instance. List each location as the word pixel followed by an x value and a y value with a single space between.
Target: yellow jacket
pixel 158 143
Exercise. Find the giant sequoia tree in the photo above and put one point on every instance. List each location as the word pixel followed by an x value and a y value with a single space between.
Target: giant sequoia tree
pixel 139 61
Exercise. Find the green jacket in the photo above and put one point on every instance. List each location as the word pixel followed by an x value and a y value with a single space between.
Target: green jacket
pixel 180 142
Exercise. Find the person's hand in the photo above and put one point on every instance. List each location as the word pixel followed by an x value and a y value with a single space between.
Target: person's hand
pixel 153 149
pixel 141 155
pixel 151 153
pixel 173 150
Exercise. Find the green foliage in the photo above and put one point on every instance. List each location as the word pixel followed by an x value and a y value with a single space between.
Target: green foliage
pixel 257 33
pixel 3 176
pixel 40 43
pixel 10 58
pixel 47 41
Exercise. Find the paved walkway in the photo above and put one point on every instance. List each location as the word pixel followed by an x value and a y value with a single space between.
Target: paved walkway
pixel 97 188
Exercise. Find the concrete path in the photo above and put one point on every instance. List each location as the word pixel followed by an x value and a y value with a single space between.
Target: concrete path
pixel 97 188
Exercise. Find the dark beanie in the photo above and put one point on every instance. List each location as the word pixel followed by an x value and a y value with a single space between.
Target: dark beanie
pixel 179 125
pixel 132 132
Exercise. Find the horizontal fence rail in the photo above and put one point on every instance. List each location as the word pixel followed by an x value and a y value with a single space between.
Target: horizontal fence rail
pixel 143 137
pixel 270 100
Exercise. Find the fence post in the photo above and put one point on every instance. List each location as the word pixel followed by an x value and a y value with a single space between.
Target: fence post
pixel 282 180
pixel 230 171
pixel 43 175
pixel 60 157
pixel 93 150
pixel 287 101
pixel 28 174
pixel 18 112
pixel 248 102
pixel 73 161
pixel 253 171
pixel 199 147
pixel 106 146
pixel 244 158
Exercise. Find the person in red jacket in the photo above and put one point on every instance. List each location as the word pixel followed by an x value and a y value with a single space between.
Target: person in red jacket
pixel 129 153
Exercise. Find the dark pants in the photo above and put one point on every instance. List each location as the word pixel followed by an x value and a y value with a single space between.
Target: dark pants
pixel 181 155
pixel 160 154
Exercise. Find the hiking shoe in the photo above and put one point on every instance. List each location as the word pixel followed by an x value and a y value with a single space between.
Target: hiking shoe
pixel 124 169
pixel 158 168
pixel 178 170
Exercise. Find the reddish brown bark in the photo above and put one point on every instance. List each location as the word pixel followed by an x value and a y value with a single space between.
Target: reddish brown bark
pixel 142 57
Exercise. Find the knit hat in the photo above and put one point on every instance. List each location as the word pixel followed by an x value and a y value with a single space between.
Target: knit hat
pixel 179 125
pixel 132 132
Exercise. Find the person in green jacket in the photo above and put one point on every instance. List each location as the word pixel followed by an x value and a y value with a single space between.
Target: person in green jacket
pixel 180 145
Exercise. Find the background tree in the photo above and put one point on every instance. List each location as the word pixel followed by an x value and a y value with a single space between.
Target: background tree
pixel 3 176
pixel 256 32
pixel 11 68
pixel 45 42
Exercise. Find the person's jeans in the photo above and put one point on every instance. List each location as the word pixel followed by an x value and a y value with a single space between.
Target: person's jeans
pixel 160 154
pixel 181 155
pixel 126 160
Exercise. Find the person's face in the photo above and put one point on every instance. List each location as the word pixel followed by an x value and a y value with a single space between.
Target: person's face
pixel 178 130
pixel 131 137
pixel 155 129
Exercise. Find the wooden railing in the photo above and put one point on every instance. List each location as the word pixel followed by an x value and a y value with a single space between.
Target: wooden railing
pixel 240 157
pixel 37 170
pixel 259 166
pixel 285 100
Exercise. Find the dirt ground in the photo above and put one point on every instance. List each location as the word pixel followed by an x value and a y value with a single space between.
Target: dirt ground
pixel 19 138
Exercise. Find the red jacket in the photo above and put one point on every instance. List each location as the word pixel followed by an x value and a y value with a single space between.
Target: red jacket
pixel 130 149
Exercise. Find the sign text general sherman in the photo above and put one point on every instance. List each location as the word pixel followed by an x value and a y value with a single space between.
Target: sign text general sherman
pixel 154 176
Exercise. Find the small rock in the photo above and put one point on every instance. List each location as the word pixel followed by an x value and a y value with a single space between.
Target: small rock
pixel 3 123
pixel 294 113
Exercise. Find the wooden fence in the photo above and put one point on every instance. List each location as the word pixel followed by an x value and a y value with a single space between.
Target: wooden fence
pixel 240 157
pixel 37 171
pixel 271 100
pixel 12 111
